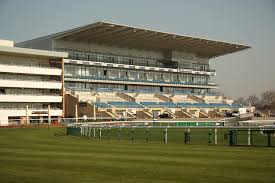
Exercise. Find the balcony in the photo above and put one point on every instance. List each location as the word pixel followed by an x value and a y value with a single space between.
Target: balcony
pixel 20 69
pixel 31 98
pixel 9 83
pixel 138 67
pixel 95 79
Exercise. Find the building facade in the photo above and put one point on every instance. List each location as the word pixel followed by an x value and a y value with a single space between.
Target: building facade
pixel 110 57
pixel 31 84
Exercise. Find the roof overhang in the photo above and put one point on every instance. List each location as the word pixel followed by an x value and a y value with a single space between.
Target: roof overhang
pixel 138 38
pixel 32 52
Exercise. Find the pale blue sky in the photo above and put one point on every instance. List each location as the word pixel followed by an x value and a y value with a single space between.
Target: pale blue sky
pixel 250 22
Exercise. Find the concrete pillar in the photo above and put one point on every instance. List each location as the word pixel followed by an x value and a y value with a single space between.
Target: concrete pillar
pixel 76 113
pixel 94 112
pixel 27 114
pixel 49 114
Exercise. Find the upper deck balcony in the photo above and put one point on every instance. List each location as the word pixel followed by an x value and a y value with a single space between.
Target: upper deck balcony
pixel 95 79
pixel 31 98
pixel 10 83
pixel 34 70
pixel 139 67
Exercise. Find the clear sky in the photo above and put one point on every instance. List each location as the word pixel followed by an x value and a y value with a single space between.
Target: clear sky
pixel 250 22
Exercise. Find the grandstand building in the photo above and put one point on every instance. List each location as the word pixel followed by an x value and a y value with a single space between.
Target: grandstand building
pixel 31 84
pixel 121 71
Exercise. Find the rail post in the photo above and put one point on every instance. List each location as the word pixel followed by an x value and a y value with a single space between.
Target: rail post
pixel 132 134
pixel 99 133
pixel 165 133
pixel 249 137
pixel 119 134
pixel 268 138
pixel 216 136
pixel 147 135
pixel 94 132
pixel 209 137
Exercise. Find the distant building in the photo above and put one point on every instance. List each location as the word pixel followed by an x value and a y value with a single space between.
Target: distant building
pixel 31 84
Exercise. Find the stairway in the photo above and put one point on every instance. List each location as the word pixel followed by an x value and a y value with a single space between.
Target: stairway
pixel 183 114
pixel 195 98
pixel 126 97
pixel 163 97
pixel 203 114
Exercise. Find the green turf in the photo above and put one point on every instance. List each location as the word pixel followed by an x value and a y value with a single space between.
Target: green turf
pixel 42 155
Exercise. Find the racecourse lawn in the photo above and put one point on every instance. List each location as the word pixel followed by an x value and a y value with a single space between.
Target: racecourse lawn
pixel 48 155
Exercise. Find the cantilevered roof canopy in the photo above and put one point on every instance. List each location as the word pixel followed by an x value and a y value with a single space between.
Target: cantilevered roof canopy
pixel 132 37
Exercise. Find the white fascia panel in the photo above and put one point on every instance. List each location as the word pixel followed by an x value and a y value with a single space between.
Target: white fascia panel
pixel 30 98
pixel 30 70
pixel 30 84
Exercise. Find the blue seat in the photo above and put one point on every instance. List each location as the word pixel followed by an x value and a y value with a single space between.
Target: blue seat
pixel 169 104
pixel 125 104
pixel 151 104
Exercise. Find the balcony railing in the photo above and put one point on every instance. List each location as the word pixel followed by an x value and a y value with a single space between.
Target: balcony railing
pixel 139 80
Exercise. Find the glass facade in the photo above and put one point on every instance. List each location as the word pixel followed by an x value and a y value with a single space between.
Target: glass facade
pixel 121 87
pixel 78 71
pixel 109 58
pixel 85 72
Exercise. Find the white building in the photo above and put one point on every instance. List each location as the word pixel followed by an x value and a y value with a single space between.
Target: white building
pixel 31 84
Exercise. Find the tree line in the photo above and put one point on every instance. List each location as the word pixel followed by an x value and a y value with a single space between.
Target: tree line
pixel 264 102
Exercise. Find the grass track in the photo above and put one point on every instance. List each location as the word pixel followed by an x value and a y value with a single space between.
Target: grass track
pixel 42 155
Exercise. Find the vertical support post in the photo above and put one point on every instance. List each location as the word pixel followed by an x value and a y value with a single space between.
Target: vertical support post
pixel 99 133
pixel 209 137
pixel 119 134
pixel 216 136
pixel 249 137
pixel 109 133
pixel 89 131
pixel 27 114
pixel 63 86
pixel 268 138
pixel 132 132
pixel 49 115
pixel 76 113
pixel 165 136
pixel 147 135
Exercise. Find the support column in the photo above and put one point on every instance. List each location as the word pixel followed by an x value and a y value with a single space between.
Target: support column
pixel 49 115
pixel 27 114
pixel 76 113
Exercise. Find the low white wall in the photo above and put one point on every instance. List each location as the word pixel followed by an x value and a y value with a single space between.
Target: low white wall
pixel 30 84
pixel 30 98
pixel 30 70
pixel 4 114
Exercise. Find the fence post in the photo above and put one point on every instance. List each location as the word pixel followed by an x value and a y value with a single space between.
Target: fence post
pixel 188 136
pixel 147 135
pixel 89 129
pixel 268 138
pixel 216 136
pixel 99 133
pixel 165 132
pixel 209 137
pixel 132 134
pixel 249 137
pixel 119 134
